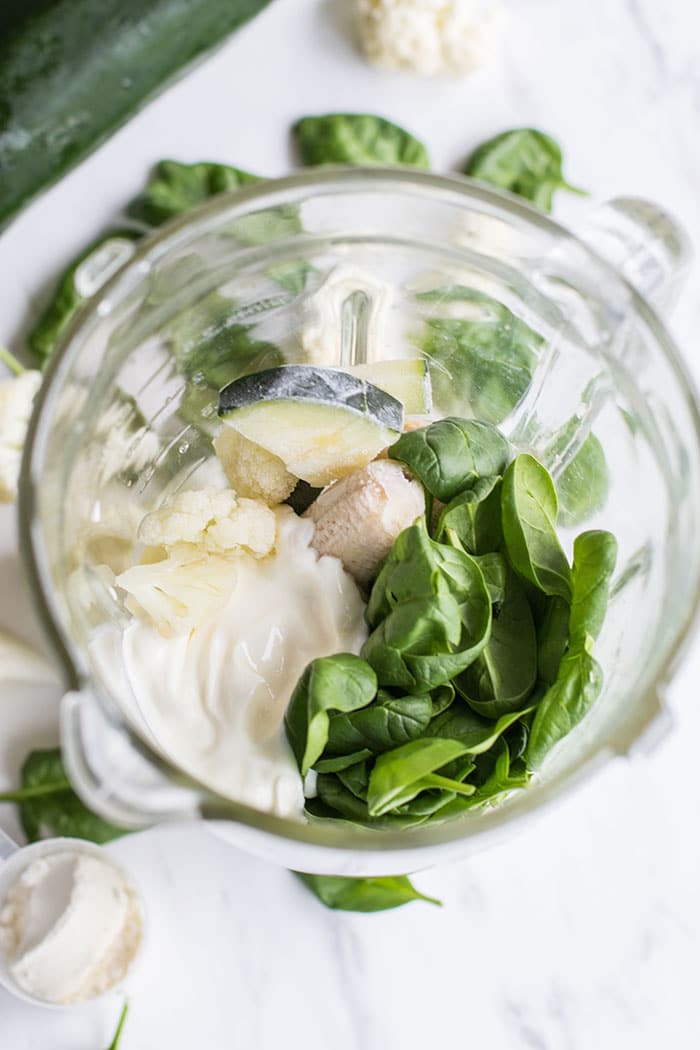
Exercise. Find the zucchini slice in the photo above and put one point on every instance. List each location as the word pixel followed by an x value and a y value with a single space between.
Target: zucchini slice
pixel 321 422
pixel 408 381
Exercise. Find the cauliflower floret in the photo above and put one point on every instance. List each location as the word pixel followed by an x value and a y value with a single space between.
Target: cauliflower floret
pixel 251 470
pixel 428 36
pixel 16 399
pixel 176 594
pixel 213 522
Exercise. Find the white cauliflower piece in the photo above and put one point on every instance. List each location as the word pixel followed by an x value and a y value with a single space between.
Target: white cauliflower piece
pixel 251 470
pixel 16 399
pixel 210 521
pixel 429 36
pixel 358 518
pixel 176 594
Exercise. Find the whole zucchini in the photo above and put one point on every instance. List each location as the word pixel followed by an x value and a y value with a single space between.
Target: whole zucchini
pixel 72 71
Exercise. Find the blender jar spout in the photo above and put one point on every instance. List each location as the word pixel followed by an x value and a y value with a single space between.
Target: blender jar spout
pixel 645 244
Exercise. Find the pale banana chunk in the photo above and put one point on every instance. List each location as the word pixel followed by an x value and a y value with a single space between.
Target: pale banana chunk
pixel 358 518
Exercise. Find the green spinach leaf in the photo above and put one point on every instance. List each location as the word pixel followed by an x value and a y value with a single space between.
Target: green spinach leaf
pixel 355 138
pixel 482 363
pixel 529 508
pixel 504 673
pixel 552 639
pixel 83 279
pixel 595 555
pixel 385 724
pixel 120 1026
pixel 583 485
pixel 429 613
pixel 475 516
pixel 343 682
pixel 50 808
pixel 524 161
pixel 566 702
pixel 475 733
pixel 494 570
pixel 580 678
pixel 174 188
pixel 452 454
pixel 399 775
pixel 366 895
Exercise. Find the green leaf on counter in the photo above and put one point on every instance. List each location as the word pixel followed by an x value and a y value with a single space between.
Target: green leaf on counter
pixel 365 895
pixel 524 161
pixel 357 138
pixel 49 807
pixel 114 1045
pixel 173 188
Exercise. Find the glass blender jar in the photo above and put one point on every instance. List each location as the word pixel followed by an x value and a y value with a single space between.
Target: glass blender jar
pixel 126 415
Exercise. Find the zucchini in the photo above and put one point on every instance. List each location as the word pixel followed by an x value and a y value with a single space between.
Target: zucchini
pixel 73 71
pixel 407 381
pixel 322 423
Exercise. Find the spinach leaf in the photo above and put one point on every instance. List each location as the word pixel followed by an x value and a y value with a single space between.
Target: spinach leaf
pixel 356 779
pixel 483 362
pixel 452 454
pixel 493 569
pixel 583 485
pixel 338 763
pixel 343 682
pixel 354 138
pixel 552 639
pixel 475 733
pixel 49 807
pixel 366 895
pixel 500 776
pixel 399 775
pixel 80 281
pixel 441 698
pixel 595 555
pixel 529 508
pixel 504 673
pixel 120 1025
pixel 388 722
pixel 580 678
pixel 429 612
pixel 566 702
pixel 174 188
pixel 475 516
pixel 524 161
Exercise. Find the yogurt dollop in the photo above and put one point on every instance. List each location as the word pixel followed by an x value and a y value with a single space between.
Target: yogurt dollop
pixel 214 698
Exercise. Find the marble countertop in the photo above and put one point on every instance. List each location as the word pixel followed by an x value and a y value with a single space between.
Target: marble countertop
pixel 583 932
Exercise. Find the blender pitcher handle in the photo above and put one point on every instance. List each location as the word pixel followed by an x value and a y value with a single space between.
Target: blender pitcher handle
pixel 645 244
pixel 111 774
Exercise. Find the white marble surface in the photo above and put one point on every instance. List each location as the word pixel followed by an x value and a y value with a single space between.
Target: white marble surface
pixel 584 932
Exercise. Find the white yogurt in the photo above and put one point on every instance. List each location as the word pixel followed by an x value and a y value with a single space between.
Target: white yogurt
pixel 214 698
pixel 70 927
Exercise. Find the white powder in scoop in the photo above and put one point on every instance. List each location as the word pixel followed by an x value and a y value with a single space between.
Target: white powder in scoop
pixel 70 926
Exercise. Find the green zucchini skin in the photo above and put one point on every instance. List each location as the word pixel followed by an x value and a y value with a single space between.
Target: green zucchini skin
pixel 73 71
pixel 315 385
